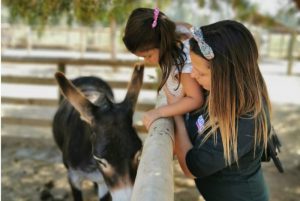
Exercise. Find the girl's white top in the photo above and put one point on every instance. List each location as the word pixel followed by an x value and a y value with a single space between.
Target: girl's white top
pixel 172 81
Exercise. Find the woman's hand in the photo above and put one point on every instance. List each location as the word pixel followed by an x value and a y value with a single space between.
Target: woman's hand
pixel 150 117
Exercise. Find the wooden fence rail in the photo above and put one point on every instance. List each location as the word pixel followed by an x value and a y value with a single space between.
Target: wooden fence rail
pixel 154 179
pixel 51 81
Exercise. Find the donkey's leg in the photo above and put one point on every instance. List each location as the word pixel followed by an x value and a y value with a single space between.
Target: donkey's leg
pixel 77 195
pixel 102 189
pixel 103 192
pixel 103 197
pixel 106 197
pixel 75 181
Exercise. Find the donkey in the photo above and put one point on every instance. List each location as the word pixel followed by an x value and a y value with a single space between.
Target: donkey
pixel 96 135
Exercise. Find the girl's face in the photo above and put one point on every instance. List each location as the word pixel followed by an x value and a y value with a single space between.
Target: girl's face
pixel 201 71
pixel 150 56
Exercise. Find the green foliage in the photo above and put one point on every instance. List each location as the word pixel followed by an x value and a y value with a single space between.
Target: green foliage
pixel 285 18
pixel 289 15
pixel 201 3
pixel 213 4
pixel 39 13
pixel 246 11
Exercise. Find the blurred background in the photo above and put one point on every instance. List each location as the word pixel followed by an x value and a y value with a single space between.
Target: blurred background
pixel 79 38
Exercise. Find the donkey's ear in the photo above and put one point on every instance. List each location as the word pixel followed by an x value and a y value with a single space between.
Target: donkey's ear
pixel 75 97
pixel 134 87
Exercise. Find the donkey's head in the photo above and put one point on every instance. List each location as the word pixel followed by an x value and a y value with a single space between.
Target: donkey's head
pixel 116 145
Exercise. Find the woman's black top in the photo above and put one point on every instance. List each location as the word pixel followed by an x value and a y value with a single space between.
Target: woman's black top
pixel 215 180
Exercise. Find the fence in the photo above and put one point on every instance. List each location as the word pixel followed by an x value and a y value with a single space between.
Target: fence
pixel 154 179
pixel 62 64
pixel 273 43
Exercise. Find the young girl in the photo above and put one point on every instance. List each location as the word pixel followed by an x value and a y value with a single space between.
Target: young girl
pixel 150 34
pixel 221 144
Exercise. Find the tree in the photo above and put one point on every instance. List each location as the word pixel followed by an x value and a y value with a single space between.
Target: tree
pixel 39 13
pixel 297 2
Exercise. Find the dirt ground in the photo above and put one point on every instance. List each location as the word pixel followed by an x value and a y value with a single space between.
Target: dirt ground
pixel 32 168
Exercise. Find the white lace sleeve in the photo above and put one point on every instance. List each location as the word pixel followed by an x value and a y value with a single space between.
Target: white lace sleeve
pixel 182 29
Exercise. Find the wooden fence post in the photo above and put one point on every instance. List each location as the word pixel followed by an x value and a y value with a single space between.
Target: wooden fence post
pixel 290 55
pixel 83 38
pixel 113 30
pixel 29 39
pixel 154 180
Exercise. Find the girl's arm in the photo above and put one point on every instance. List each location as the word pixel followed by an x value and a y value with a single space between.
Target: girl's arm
pixel 192 100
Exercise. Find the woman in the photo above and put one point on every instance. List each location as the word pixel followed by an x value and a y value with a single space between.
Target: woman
pixel 221 145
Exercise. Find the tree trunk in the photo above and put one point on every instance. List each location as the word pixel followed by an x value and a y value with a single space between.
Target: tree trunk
pixel 29 39
pixel 113 33
pixel 82 41
pixel 290 53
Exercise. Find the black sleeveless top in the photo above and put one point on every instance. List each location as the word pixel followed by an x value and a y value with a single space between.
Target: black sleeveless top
pixel 215 180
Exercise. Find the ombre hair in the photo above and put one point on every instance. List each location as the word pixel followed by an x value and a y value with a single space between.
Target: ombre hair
pixel 237 86
pixel 141 36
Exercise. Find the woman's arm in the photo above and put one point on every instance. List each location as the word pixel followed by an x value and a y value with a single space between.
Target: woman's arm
pixel 182 141
pixel 182 145
pixel 192 100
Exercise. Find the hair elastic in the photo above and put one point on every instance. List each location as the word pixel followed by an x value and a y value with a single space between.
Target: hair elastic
pixel 204 47
pixel 155 17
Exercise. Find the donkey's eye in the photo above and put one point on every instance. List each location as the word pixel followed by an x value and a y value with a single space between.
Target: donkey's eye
pixel 103 162
pixel 105 166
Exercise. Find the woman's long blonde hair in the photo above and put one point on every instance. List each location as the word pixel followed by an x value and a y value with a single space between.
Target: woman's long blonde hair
pixel 237 85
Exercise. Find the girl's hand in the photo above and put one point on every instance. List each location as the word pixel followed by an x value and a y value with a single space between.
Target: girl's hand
pixel 170 97
pixel 150 117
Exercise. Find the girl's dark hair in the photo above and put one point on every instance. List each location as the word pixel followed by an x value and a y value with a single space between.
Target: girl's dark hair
pixel 140 36
pixel 237 85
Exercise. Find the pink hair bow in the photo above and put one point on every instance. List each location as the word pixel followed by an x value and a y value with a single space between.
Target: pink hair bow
pixel 155 16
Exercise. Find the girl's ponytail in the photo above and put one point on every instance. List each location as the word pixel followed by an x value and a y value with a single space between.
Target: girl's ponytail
pixel 170 49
